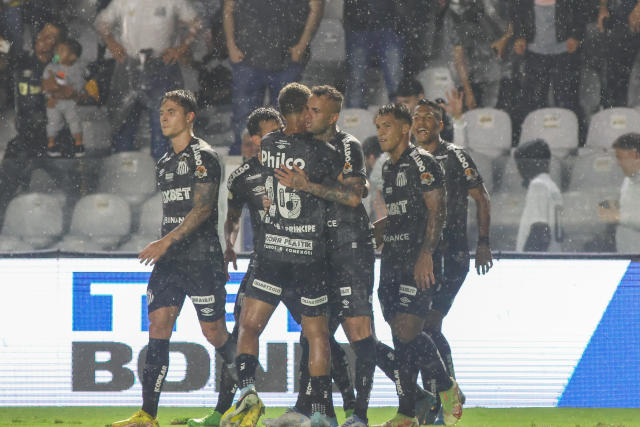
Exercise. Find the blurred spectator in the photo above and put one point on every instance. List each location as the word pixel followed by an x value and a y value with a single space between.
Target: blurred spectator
pixel 146 57
pixel 626 212
pixel 374 158
pixel 548 33
pixel 268 44
pixel 11 25
pixel 620 21
pixel 472 29
pixel 409 92
pixel 540 228
pixel 64 71
pixel 31 116
pixel 371 29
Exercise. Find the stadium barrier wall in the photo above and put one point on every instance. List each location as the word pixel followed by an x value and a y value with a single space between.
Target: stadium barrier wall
pixel 532 333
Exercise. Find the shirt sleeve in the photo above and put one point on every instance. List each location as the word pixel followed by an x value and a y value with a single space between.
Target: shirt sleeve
pixel 236 196
pixel 467 168
pixel 209 171
pixel 354 163
pixel 432 178
pixel 536 207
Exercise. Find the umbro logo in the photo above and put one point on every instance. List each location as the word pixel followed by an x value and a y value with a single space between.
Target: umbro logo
pixel 207 311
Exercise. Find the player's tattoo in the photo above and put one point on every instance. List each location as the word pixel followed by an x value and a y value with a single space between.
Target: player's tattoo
pixel 436 204
pixel 204 199
pixel 348 193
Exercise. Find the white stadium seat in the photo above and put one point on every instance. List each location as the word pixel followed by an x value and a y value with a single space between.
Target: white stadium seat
pixel 151 216
pixel 436 81
pixel 333 9
pixel 130 175
pixel 35 218
pixel 102 218
pixel 557 126
pixel 607 125
pixel 328 45
pixel 488 131
pixel 136 243
pixel 358 122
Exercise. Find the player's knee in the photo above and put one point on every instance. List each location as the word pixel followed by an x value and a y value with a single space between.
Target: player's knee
pixel 215 332
pixel 433 322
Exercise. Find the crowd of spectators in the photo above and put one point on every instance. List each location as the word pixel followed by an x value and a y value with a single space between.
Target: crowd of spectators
pixel 514 55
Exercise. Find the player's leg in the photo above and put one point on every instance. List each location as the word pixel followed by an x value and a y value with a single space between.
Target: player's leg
pixel 164 303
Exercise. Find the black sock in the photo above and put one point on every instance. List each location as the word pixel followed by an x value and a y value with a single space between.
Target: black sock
pixel 321 399
pixel 226 391
pixel 386 360
pixel 156 366
pixel 444 349
pixel 365 367
pixel 246 365
pixel 303 404
pixel 228 353
pixel 407 377
pixel 431 365
pixel 340 374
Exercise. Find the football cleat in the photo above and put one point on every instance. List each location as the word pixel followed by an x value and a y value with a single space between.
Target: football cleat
pixel 322 420
pixel 424 407
pixel 354 421
pixel 451 404
pixel 252 416
pixel 234 415
pixel 400 421
pixel 292 417
pixel 212 419
pixel 139 419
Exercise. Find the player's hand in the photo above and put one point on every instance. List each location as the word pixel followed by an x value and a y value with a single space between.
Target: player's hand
pixel 484 261
pixel 49 84
pixel 520 46
pixel 65 92
pixel 296 178
pixel 634 20
pixel 154 251
pixel 230 256
pixel 118 51
pixel 423 271
pixel 572 45
pixel 455 102
pixel 499 46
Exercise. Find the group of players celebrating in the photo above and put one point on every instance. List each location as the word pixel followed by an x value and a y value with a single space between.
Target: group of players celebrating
pixel 314 251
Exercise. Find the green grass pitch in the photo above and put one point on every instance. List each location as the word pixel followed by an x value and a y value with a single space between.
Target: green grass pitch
pixel 473 417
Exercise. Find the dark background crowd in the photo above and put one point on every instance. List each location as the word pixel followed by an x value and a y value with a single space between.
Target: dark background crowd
pixel 515 56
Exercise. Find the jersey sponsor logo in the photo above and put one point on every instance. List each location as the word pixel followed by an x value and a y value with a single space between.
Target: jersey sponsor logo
pixel 461 158
pixel 201 172
pixel 267 287
pixel 208 299
pixel 161 172
pixel 149 296
pixel 346 291
pixel 347 150
pixel 401 179
pixel 254 177
pixel 172 220
pixel 274 161
pixel 305 228
pixel 168 176
pixel 470 173
pixel 415 155
pixel 426 178
pixel 400 237
pixel 408 290
pixel 183 167
pixel 196 154
pixel 176 194
pixel 236 173
pixel 314 302
pixel 388 190
pixel 332 223
pixel 287 244
pixel 397 208
pixel 163 373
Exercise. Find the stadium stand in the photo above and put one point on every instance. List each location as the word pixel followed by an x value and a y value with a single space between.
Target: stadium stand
pixel 34 218
pixel 436 81
pixel 607 125
pixel 130 175
pixel 488 131
pixel 358 122
pixel 557 126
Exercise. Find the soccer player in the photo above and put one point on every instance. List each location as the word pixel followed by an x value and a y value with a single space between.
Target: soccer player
pixel 290 259
pixel 188 259
pixel 414 194
pixel 350 238
pixel 462 180
pixel 246 187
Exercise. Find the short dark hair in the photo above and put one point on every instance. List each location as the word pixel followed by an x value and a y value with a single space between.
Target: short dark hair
pixel 433 105
pixel 62 28
pixel 293 98
pixel 74 46
pixel 185 98
pixel 371 146
pixel 330 92
pixel 628 141
pixel 409 87
pixel 537 149
pixel 400 112
pixel 262 114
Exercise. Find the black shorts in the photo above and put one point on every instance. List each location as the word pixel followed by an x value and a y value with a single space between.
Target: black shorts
pixel 398 293
pixel 171 281
pixel 350 278
pixel 301 287
pixel 454 271
pixel 242 290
